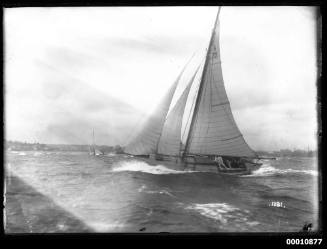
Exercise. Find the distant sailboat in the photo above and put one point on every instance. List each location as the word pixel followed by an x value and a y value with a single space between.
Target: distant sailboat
pixel 213 138
pixel 92 149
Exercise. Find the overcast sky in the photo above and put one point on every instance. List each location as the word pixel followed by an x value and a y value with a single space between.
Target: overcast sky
pixel 68 70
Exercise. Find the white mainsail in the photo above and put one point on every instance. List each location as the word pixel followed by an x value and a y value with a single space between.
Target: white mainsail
pixel 170 139
pixel 213 129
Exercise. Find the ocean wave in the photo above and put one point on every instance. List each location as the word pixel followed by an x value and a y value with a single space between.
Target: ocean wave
pixel 22 154
pixel 268 170
pixel 146 168
pixel 223 212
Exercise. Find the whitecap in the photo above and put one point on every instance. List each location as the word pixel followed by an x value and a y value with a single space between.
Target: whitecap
pixel 264 170
pixel 309 172
pixel 268 170
pixel 224 213
pixel 219 211
pixel 141 188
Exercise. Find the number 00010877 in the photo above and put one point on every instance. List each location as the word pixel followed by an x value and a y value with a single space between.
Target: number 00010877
pixel 303 241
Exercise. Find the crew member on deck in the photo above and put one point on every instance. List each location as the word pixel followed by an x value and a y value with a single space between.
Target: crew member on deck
pixel 229 164
pixel 242 163
pixel 220 162
pixel 235 163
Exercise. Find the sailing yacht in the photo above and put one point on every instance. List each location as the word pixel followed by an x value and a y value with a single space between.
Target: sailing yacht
pixel 92 150
pixel 213 141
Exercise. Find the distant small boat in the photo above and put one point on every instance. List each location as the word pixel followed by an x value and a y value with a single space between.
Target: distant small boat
pixel 92 149
pixel 213 138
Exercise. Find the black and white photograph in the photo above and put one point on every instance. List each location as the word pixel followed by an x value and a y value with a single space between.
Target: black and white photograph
pixel 161 119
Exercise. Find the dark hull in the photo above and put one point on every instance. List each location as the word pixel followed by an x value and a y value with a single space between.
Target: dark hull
pixel 202 164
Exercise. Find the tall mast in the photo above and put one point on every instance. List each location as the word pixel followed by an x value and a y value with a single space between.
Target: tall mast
pixel 93 136
pixel 198 98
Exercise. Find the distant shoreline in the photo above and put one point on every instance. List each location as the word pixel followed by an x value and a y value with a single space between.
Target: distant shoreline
pixel 23 146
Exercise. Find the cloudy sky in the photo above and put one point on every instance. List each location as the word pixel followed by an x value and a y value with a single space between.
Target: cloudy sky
pixel 69 70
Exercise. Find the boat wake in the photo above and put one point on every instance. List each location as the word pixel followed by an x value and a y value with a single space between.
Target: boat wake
pixel 146 168
pixel 268 170
pixel 224 213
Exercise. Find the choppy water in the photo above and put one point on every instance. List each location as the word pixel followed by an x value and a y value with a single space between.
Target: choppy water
pixel 121 194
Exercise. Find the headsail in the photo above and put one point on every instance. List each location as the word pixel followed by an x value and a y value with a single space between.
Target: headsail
pixel 147 140
pixel 213 130
pixel 170 139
